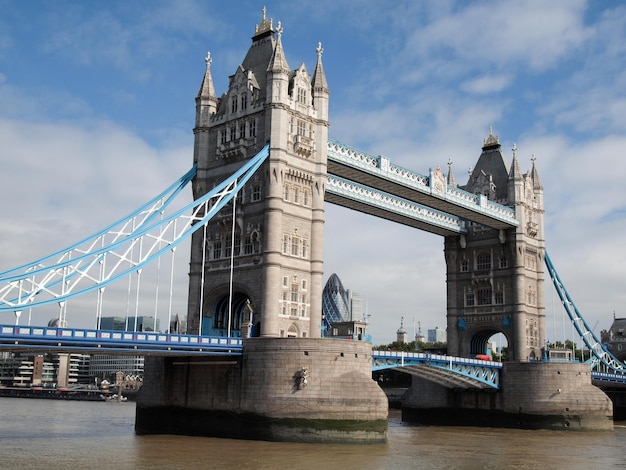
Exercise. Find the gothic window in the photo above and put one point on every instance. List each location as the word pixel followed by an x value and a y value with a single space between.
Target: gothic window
pixel 464 265
pixel 285 282
pixel 305 198
pixel 247 247
pixel 285 244
pixel 223 136
pixel 499 297
pixel 303 284
pixel 217 249
pixel 301 128
pixel 305 249
pixel 531 296
pixel 295 195
pixel 252 128
pixel 233 133
pixel 239 196
pixel 284 309
pixel 227 247
pixel 483 261
pixel 244 101
pixel 503 262
pixel 242 130
pixel 301 95
pixel 294 293
pixel 233 104
pixel 295 246
pixel 286 195
pixel 256 192
pixel 469 298
pixel 484 296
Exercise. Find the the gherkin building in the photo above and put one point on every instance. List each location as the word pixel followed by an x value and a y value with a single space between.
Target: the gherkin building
pixel 339 304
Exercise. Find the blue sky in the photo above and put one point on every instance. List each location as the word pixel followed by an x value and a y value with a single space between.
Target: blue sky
pixel 97 111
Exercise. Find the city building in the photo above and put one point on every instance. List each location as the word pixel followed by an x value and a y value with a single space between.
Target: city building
pixel 342 311
pixel 437 335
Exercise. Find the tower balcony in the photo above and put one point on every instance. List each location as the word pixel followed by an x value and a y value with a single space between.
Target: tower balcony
pixel 235 149
pixel 303 146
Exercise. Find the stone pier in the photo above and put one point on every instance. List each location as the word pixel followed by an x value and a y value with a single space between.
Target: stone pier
pixel 281 389
pixel 533 395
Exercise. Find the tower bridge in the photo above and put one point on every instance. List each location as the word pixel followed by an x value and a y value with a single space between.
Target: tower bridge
pixel 263 168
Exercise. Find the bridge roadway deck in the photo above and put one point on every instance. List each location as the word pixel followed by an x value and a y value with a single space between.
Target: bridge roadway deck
pixel 379 174
pixel 38 338
pixel 451 372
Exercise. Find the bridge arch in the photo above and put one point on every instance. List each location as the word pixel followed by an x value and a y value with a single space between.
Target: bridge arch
pixel 215 321
pixel 481 338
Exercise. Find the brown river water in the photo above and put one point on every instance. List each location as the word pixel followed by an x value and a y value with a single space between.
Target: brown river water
pixel 55 434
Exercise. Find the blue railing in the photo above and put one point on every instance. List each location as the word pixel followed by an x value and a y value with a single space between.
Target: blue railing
pixel 121 342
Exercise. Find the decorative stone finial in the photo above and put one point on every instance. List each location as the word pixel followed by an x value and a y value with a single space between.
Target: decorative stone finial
pixel 279 28
pixel 208 59
pixel 533 158
pixel 514 150
pixel 319 50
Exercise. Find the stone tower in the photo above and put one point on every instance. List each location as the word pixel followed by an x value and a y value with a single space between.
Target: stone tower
pixel 495 278
pixel 275 240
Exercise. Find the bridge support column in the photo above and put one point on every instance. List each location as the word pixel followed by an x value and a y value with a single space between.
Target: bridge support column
pixel 532 395
pixel 281 389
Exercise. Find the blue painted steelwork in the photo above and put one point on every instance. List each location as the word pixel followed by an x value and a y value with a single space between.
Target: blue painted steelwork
pixel 31 338
pixel 601 356
pixel 451 372
pixel 607 378
pixel 110 254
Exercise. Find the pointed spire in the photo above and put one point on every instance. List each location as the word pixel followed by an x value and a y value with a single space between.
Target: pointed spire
pixel 535 175
pixel 450 180
pixel 207 89
pixel 515 173
pixel 278 62
pixel 319 77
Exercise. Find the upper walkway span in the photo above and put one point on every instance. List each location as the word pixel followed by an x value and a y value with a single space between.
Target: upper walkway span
pixel 444 207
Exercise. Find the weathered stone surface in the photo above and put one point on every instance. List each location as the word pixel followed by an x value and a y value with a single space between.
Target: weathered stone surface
pixel 263 395
pixel 534 395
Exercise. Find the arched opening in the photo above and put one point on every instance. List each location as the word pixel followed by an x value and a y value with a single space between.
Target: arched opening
pixel 491 343
pixel 240 314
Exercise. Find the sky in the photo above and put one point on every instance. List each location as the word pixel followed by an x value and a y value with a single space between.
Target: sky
pixel 97 111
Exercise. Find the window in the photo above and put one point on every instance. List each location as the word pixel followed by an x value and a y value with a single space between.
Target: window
pixel 285 282
pixel 464 265
pixel 242 130
pixel 217 249
pixel 256 192
pixel 484 296
pixel 303 284
pixel 499 297
pixel 296 195
pixel 252 128
pixel 305 198
pixel 233 133
pixel 233 104
pixel 285 244
pixel 305 249
pixel 295 246
pixel 223 136
pixel 503 262
pixel 247 246
pixel 286 195
pixel 237 247
pixel 469 299
pixel 294 293
pixel 483 261
pixel 244 101
pixel 301 95
pixel 301 128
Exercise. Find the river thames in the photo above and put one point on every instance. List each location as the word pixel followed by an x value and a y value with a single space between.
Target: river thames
pixel 56 434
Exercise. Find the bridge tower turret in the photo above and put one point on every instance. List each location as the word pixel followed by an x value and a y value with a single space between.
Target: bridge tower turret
pixel 276 237
pixel 495 278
